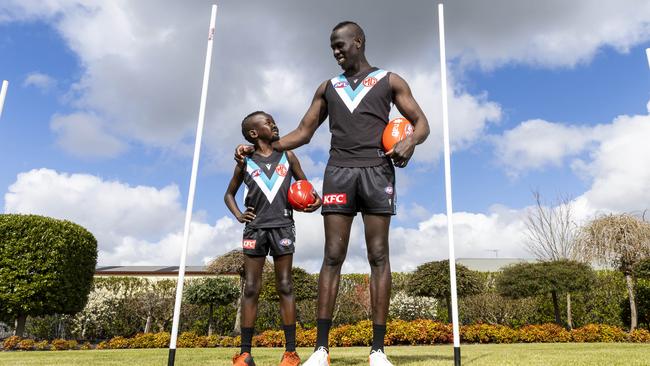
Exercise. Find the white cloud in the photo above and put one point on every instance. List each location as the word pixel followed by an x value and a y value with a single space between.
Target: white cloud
pixel 544 33
pixel 535 144
pixel 84 135
pixel 39 80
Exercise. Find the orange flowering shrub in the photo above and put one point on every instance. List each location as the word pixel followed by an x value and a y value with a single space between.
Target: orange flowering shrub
pixel 269 338
pixel 598 333
pixel 640 336
pixel 191 340
pixel 359 334
pixel 11 342
pixel 420 331
pixel 305 337
pixel 25 345
pixel 543 333
pixel 488 333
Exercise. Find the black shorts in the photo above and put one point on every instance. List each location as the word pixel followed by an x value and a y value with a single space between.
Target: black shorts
pixel 276 241
pixel 368 190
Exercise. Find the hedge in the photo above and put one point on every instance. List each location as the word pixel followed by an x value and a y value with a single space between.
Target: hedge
pixel 398 332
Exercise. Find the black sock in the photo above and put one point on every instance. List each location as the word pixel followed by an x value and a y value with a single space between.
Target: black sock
pixel 322 332
pixel 290 337
pixel 246 339
pixel 378 333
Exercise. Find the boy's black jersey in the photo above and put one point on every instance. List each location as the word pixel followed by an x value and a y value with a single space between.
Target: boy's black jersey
pixel 358 111
pixel 267 181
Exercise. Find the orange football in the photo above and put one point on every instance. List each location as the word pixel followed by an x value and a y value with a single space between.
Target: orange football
pixel 301 195
pixel 396 130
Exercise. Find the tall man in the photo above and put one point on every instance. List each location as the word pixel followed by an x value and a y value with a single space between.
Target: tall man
pixel 359 176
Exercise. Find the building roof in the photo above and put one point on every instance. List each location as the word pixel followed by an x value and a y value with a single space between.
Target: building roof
pixel 149 271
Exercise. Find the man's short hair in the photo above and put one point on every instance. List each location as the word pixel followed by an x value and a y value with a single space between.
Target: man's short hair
pixel 357 29
pixel 246 124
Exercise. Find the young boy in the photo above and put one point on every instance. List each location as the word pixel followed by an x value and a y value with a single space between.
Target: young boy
pixel 269 229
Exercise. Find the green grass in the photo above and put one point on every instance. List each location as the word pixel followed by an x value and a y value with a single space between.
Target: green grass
pixel 547 354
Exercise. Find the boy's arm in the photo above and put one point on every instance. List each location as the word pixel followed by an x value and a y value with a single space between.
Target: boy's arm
pixel 231 191
pixel 298 174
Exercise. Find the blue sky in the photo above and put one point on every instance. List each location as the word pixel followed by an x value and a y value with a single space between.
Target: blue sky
pixel 99 120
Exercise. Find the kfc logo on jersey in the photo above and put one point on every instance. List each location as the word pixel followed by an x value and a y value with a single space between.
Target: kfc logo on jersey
pixel 369 82
pixel 249 243
pixel 281 170
pixel 255 173
pixel 335 199
pixel 341 84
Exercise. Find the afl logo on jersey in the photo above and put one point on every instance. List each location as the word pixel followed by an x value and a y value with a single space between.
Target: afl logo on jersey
pixel 341 84
pixel 281 170
pixel 388 190
pixel 255 173
pixel 369 82
pixel 286 242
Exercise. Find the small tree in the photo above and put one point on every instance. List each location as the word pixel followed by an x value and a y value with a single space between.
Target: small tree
pixel 231 263
pixel 533 279
pixel 211 291
pixel 551 235
pixel 305 286
pixel 620 241
pixel 432 279
pixel 46 267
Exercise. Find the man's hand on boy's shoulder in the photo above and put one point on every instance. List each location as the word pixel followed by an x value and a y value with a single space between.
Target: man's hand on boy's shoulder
pixel 314 206
pixel 241 151
pixel 247 216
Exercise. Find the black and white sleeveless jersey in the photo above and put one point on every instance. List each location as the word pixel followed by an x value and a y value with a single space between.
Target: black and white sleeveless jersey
pixel 358 111
pixel 267 181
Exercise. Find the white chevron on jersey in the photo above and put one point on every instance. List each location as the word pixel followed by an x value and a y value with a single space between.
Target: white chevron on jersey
pixel 350 97
pixel 269 187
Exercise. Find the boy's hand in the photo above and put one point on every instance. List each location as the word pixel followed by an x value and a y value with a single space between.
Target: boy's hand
pixel 247 216
pixel 314 206
pixel 241 151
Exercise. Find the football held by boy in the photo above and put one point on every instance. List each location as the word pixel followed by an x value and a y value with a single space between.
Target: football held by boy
pixel 269 229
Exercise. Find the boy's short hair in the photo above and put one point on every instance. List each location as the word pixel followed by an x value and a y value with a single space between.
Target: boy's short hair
pixel 245 124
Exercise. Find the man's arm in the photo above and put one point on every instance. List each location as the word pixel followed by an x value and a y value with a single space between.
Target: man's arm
pixel 315 115
pixel 231 191
pixel 409 108
pixel 298 174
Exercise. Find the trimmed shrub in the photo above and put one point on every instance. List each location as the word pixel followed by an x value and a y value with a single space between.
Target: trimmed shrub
pixel 640 336
pixel 305 337
pixel 359 334
pixel 86 346
pixel 11 342
pixel 417 332
pixel 191 340
pixel 598 333
pixel 62 345
pixel 545 333
pixel 42 345
pixel 406 307
pixel 488 333
pixel 269 338
pixel 118 342
pixel 25 345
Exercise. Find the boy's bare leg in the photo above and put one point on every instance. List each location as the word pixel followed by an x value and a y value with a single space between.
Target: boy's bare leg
pixel 284 285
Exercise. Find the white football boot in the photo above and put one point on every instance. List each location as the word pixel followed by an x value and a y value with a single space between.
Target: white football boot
pixel 378 358
pixel 320 357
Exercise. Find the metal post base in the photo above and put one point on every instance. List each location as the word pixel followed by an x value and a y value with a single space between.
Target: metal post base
pixel 172 356
pixel 456 356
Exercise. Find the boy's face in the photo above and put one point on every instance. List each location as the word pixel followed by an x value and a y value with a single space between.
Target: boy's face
pixel 266 128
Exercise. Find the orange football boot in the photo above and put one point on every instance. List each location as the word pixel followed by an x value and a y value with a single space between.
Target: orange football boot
pixel 244 359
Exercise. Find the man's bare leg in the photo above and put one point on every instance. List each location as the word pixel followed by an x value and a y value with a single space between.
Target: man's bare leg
pixel 337 236
pixel 376 232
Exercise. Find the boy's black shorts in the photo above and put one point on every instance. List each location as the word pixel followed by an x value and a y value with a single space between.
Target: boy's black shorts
pixel 276 241
pixel 350 190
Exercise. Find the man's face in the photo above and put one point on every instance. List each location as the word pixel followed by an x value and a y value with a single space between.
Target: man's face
pixel 266 128
pixel 345 48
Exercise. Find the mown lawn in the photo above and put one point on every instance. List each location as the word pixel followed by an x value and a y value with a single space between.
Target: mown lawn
pixel 547 354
